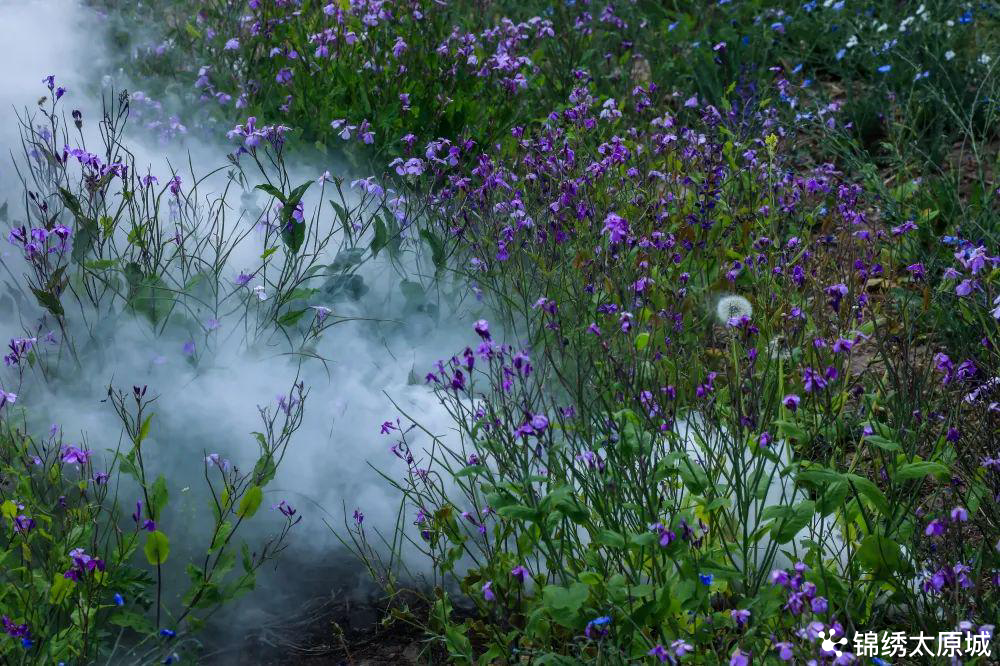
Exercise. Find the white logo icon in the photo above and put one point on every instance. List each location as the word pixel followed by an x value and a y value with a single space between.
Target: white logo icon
pixel 829 645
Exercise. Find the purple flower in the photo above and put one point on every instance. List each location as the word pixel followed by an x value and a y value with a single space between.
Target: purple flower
pixel 785 652
pixel 7 398
pixel 791 401
pixel 488 591
pixel 398 48
pixel 965 287
pixel 959 514
pixel 232 44
pixel 284 508
pixel 812 380
pixel 934 528
pixel 740 617
pixel 482 328
pixel 739 658
pixel 836 293
pixel 616 227
pixel 215 459
pixel 16 630
pixel 519 572
pixel 359 517
pixel 23 524
pixel 681 647
pixel 74 455
pixel 660 653
pixel 780 577
pixel 322 312
pixel 598 627
pixel 841 345
pixel 284 76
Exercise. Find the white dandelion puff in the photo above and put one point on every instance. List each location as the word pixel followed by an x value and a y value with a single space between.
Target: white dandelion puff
pixel 732 307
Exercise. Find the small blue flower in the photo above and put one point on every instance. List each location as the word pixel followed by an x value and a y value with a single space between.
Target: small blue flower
pixel 119 599
pixel 597 628
pixel 169 633
pixel 880 662
pixel 706 579
pixel 965 17
pixel 26 643
pixel 884 68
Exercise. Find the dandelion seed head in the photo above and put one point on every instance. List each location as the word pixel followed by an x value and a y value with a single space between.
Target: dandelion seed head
pixel 732 307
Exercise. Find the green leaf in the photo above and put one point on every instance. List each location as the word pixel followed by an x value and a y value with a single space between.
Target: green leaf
pixel 919 470
pixel 265 469
pixel 273 191
pixel 158 496
pixel 48 301
pixel 225 529
pixel 246 557
pixel 791 429
pixel 870 491
pixel 157 548
pixel 437 248
pixel 8 509
pixel 518 512
pixel 413 292
pixel 296 195
pixel 381 237
pixel 880 554
pixel 291 317
pixel 70 201
pixel 563 600
pixel 694 476
pixel 61 587
pixel 132 620
pixel 144 428
pixel 832 498
pixel 293 232
pixel 794 520
pixel 345 221
pixel 611 539
pixel 883 443
pixel 642 341
pixel 250 502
